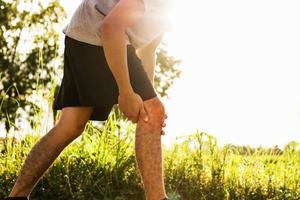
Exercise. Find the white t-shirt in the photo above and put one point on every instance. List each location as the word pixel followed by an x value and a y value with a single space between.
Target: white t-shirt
pixel 86 21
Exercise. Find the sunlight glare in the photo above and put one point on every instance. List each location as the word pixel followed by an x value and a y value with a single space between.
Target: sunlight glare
pixel 240 67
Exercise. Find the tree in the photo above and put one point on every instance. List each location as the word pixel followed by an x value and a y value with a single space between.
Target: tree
pixel 28 45
pixel 166 72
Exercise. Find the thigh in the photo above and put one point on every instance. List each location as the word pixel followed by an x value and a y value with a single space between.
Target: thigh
pixel 139 79
pixel 75 117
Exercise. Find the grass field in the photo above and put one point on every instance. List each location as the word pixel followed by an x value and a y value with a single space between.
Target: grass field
pixel 100 164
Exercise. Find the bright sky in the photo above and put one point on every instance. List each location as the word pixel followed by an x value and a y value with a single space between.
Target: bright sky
pixel 241 66
pixel 240 70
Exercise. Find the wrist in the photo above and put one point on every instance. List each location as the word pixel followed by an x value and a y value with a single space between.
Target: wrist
pixel 126 90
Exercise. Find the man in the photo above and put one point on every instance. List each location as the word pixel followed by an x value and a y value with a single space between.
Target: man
pixel 139 103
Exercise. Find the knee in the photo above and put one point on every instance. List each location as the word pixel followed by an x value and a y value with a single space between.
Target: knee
pixel 71 129
pixel 156 112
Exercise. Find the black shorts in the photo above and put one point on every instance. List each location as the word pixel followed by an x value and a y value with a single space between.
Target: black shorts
pixel 88 81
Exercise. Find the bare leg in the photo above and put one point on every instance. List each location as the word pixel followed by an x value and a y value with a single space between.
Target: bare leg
pixel 148 150
pixel 71 124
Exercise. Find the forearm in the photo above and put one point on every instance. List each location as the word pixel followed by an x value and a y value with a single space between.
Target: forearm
pixel 149 62
pixel 115 50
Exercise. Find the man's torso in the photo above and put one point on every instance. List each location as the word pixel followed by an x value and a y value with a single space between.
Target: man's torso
pixel 87 18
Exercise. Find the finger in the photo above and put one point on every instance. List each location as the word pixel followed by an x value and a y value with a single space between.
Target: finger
pixel 164 125
pixel 164 118
pixel 163 132
pixel 131 118
pixel 143 114
pixel 166 115
pixel 134 120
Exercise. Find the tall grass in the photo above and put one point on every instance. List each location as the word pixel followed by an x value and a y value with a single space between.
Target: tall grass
pixel 198 169
pixel 100 164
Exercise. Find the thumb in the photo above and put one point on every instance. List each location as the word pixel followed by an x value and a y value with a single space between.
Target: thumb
pixel 143 114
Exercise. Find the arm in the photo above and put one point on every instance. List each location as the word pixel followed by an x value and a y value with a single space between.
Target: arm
pixel 147 55
pixel 113 37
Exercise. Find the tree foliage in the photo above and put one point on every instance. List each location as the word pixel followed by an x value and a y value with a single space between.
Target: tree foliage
pixel 166 72
pixel 28 45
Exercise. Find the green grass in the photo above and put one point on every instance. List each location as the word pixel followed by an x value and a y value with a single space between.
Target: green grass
pixel 100 164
